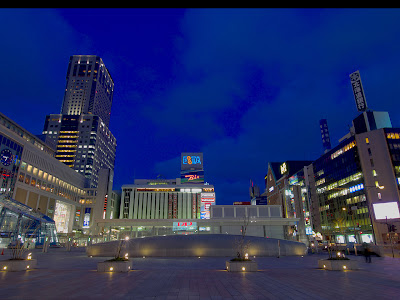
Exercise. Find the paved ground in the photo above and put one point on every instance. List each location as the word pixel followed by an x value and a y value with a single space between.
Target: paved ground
pixel 72 275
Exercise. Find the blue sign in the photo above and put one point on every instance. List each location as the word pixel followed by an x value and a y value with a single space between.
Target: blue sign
pixel 191 160
pixel 86 218
pixel 308 230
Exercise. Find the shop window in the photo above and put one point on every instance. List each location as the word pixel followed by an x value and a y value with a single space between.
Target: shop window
pixel 27 179
pixel 21 177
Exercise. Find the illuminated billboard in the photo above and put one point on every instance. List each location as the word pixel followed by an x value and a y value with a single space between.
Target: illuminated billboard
pixel 184 226
pixel 208 197
pixel 192 176
pixel 191 161
pixel 388 210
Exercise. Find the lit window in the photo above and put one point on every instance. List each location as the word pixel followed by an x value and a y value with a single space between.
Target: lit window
pixel 366 140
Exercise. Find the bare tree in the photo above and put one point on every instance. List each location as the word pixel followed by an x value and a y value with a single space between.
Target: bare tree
pixel 241 245
pixel 19 249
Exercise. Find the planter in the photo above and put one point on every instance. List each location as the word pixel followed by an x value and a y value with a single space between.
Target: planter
pixel 241 266
pixel 18 265
pixel 339 265
pixel 114 266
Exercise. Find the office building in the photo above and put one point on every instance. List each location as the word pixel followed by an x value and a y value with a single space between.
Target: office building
pixel 89 88
pixel 83 142
pixel 286 186
pixel 80 134
pixel 166 199
pixel 33 176
pixel 357 185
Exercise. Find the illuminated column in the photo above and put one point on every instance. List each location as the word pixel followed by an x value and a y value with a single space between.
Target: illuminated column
pixel 140 203
pixel 162 199
pixel 170 205
pixel 131 196
pixel 194 206
pixel 175 206
pixel 182 211
pixel 151 212
pixel 165 206
pixel 156 214
pixel 189 206
pixel 136 205
pixel 121 207
pixel 145 206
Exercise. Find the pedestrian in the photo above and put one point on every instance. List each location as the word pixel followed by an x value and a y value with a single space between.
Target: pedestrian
pixel 367 253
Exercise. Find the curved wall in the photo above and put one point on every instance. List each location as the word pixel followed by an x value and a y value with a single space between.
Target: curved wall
pixel 196 245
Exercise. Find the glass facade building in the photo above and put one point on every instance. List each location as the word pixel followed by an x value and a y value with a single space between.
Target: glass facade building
pixel 21 222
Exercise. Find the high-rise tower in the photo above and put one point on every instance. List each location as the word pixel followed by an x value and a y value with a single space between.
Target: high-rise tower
pixel 89 88
pixel 80 133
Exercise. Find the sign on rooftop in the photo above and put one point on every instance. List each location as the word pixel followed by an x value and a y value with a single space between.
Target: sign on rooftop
pixel 358 91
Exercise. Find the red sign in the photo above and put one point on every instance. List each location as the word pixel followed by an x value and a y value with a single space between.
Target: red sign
pixel 180 224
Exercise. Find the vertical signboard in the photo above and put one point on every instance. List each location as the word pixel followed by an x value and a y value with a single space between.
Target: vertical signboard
pixel 170 206
pixel 194 206
pixel 326 140
pixel 207 199
pixel 175 209
pixel 358 91
pixel 86 218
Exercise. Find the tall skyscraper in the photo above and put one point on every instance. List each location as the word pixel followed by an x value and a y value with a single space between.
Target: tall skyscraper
pixel 80 133
pixel 84 143
pixel 89 88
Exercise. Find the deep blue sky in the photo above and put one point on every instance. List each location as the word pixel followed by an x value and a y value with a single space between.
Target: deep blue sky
pixel 243 86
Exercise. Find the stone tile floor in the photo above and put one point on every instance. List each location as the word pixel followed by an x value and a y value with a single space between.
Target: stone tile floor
pixel 73 275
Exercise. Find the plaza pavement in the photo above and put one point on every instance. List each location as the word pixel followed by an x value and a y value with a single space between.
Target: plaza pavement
pixel 73 275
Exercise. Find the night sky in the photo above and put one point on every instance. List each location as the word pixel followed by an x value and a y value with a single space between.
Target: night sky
pixel 243 86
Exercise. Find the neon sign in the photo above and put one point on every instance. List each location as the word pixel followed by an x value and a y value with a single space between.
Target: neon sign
pixel 192 177
pixel 283 168
pixel 191 160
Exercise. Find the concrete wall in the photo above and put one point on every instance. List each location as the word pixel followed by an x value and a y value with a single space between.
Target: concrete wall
pixel 196 245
